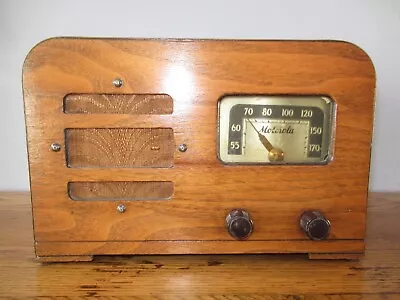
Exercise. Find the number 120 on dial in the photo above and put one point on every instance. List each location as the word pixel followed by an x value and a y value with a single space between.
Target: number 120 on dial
pixel 275 129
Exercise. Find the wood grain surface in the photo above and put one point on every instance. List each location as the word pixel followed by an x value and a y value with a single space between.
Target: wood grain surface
pixel 233 277
pixel 196 74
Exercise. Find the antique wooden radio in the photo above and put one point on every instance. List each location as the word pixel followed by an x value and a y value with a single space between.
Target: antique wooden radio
pixel 198 146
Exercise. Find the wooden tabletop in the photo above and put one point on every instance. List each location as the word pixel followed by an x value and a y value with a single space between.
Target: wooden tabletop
pixel 376 276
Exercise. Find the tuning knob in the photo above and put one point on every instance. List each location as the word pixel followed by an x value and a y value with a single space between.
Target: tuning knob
pixel 315 225
pixel 239 224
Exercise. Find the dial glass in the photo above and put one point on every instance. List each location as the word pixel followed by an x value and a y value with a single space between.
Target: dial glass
pixel 275 129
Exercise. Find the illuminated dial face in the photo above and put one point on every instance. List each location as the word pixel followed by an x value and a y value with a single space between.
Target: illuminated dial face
pixel 275 129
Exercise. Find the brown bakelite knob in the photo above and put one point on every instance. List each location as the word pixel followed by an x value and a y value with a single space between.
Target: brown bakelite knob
pixel 315 225
pixel 239 224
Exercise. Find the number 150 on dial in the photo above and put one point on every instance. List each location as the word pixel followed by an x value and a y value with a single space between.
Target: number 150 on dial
pixel 275 129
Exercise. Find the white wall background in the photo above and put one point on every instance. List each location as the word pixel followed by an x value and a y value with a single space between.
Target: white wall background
pixel 374 25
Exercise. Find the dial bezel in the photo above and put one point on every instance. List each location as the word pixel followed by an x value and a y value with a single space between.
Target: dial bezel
pixel 323 102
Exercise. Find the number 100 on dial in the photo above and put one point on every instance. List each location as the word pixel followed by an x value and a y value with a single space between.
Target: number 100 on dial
pixel 275 129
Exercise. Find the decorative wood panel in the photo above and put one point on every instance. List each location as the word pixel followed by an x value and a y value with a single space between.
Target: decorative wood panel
pixel 121 190
pixel 118 104
pixel 120 147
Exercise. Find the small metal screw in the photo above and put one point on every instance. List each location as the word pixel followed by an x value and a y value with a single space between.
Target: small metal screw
pixel 118 82
pixel 55 147
pixel 121 208
pixel 182 147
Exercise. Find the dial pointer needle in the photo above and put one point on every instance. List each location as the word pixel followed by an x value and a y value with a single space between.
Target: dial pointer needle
pixel 274 154
pixel 262 138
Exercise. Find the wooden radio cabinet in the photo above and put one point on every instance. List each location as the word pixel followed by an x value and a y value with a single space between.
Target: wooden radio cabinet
pixel 198 146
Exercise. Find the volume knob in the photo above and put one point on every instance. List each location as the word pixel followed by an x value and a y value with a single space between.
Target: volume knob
pixel 315 225
pixel 239 224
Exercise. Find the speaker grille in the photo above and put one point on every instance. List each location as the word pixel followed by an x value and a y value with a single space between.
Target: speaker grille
pixel 121 190
pixel 151 104
pixel 120 147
